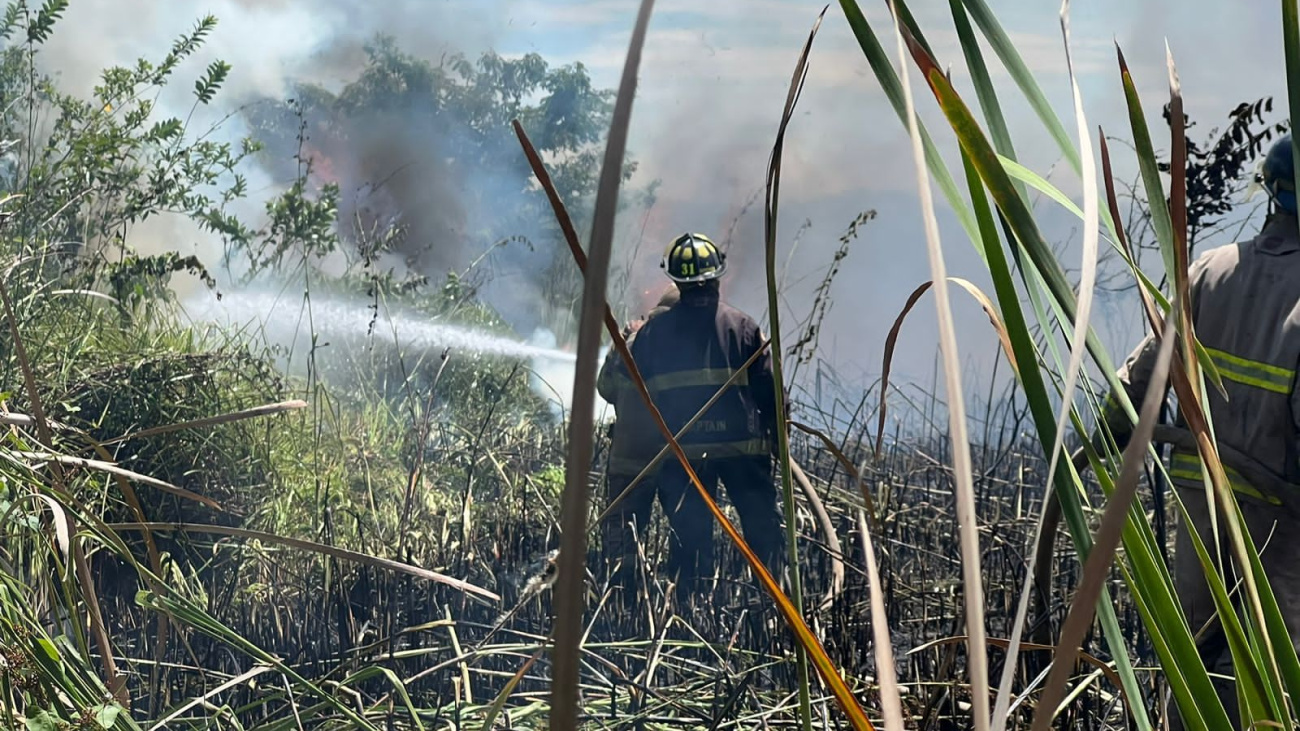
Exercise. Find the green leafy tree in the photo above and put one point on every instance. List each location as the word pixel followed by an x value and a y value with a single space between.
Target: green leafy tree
pixel 89 169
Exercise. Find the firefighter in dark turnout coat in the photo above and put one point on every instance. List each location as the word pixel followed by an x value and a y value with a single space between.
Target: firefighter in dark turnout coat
pixel 685 355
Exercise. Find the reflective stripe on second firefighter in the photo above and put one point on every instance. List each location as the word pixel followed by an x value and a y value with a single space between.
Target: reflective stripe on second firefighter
pixel 1188 467
pixel 1252 372
pixel 694 378
pixel 717 377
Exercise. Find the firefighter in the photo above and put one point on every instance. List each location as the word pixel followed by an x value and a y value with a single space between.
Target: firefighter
pixel 634 442
pixel 685 355
pixel 1246 312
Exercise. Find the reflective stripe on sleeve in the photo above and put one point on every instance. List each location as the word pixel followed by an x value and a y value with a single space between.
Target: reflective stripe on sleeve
pixel 1252 372
pixel 1188 467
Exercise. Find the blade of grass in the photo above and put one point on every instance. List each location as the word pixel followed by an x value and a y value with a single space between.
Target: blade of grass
pixel 889 83
pixel 1088 268
pixel 1002 142
pixel 834 548
pixel 891 342
pixel 570 598
pixel 1119 243
pixel 194 616
pixel 208 695
pixel 1102 666
pixel 1158 604
pixel 1016 212
pixel 1291 52
pixel 1258 706
pixel 332 551
pixel 1097 566
pixel 253 413
pixel 1286 657
pixel 1040 564
pixel 62 523
pixel 112 469
pixel 1178 190
pixel 968 528
pixel 1001 138
pixel 1264 671
pixel 884 72
pixel 162 636
pixel 113 680
pixel 774 326
pixel 853 472
pixel 1147 288
pixel 1031 381
pixel 499 703
pixel 1256 584
pixel 983 82
pixel 399 688
pixel 886 671
pixel 1148 292
pixel 1087 281
pixel 25 367
pixel 1005 49
pixel 1147 165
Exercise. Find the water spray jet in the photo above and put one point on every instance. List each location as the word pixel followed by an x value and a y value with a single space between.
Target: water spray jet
pixel 281 319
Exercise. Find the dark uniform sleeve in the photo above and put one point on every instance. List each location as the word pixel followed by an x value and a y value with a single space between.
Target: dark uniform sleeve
pixel 613 376
pixel 607 379
pixel 1135 375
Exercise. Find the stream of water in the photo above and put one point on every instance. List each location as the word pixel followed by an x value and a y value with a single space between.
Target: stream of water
pixel 282 318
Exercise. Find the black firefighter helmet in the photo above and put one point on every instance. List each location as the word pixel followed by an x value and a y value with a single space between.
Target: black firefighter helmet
pixel 693 258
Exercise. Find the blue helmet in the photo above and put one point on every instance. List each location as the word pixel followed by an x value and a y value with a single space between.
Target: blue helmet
pixel 1278 175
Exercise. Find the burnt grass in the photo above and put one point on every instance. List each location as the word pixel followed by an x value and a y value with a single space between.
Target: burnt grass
pixel 722 661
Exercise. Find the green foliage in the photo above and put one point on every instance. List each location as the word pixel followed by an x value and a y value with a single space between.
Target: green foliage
pixel 111 356
pixel 104 164
pixel 135 280
pixel 298 225
pixel 206 88
pixel 40 29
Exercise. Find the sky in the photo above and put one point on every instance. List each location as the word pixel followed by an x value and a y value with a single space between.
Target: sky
pixel 712 83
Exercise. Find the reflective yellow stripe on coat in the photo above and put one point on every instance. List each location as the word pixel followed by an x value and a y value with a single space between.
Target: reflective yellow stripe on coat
pixel 697 377
pixel 1252 372
pixel 1188 467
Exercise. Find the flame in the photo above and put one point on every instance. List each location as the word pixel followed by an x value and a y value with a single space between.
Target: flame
pixel 321 168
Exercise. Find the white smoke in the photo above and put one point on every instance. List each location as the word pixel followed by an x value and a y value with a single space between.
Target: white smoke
pixel 552 379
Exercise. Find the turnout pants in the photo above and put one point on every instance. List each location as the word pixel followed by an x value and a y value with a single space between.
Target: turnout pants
pixel 621 531
pixel 752 491
pixel 1273 531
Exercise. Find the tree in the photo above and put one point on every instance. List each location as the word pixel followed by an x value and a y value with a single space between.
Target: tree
pixel 430 176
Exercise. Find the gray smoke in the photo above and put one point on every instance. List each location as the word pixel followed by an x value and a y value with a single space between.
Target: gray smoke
pixel 712 84
pixel 389 162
